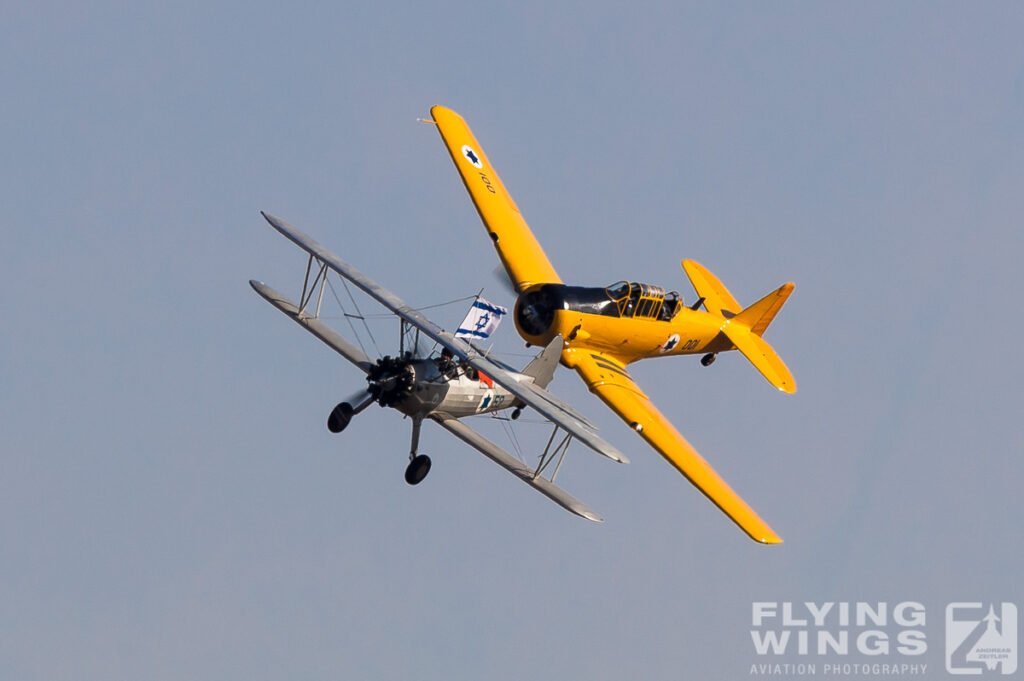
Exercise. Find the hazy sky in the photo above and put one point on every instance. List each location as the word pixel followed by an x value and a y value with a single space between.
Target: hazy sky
pixel 171 503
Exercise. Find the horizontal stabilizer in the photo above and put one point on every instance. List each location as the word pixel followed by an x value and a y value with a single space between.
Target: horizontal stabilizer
pixel 761 355
pixel 717 299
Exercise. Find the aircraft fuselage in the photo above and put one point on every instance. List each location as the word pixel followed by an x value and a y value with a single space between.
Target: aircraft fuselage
pixel 641 322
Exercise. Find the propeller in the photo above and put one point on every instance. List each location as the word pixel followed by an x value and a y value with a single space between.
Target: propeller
pixel 388 382
pixel 506 282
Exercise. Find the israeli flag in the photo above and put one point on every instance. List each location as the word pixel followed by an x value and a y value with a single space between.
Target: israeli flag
pixel 481 321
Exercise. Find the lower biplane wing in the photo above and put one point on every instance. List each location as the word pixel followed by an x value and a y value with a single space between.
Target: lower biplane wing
pixel 531 395
pixel 313 324
pixel 530 476
pixel 609 380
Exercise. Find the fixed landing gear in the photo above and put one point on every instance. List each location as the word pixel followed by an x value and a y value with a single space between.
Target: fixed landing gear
pixel 708 359
pixel 342 414
pixel 417 469
pixel 419 464
pixel 516 413
pixel 340 417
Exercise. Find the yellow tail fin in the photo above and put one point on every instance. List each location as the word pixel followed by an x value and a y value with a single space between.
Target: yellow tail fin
pixel 758 316
pixel 744 327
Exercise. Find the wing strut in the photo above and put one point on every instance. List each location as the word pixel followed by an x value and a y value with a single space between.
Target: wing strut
pixel 527 474
pixel 318 283
pixel 537 398
pixel 549 454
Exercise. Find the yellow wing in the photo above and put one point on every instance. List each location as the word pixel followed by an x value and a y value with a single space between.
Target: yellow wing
pixel 522 256
pixel 608 379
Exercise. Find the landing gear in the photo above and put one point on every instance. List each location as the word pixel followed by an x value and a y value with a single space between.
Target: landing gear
pixel 419 464
pixel 340 417
pixel 516 413
pixel 417 469
pixel 708 359
pixel 342 414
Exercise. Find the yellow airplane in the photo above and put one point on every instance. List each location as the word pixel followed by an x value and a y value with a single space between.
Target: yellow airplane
pixel 605 329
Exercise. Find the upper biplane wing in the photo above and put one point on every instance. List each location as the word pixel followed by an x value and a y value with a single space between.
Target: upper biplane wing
pixel 531 395
pixel 608 379
pixel 520 253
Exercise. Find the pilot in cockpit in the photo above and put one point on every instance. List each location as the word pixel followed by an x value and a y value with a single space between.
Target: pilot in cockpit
pixel 446 364
pixel 673 301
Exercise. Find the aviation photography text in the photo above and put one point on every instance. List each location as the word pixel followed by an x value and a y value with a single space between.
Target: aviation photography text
pixel 838 638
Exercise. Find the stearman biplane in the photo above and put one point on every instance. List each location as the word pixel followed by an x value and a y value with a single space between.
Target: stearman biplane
pixel 462 380
pixel 607 328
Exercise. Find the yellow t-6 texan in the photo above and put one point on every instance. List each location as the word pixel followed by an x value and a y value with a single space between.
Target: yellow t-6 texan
pixel 606 329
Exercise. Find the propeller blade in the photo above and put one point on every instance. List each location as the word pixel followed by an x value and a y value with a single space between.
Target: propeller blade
pixel 502 276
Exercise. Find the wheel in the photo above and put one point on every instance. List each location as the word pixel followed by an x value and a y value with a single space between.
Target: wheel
pixel 340 417
pixel 708 359
pixel 417 469
pixel 516 413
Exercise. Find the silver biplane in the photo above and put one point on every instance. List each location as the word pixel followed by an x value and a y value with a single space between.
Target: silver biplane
pixel 463 381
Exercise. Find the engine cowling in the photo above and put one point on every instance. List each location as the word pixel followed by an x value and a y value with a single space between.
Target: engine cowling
pixel 391 380
pixel 535 312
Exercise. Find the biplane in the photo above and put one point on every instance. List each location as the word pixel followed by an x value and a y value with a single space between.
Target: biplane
pixel 462 380
pixel 607 328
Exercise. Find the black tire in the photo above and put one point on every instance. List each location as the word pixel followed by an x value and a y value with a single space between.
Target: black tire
pixel 340 417
pixel 417 469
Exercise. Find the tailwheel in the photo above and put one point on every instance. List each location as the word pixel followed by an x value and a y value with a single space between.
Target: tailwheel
pixel 708 359
pixel 417 469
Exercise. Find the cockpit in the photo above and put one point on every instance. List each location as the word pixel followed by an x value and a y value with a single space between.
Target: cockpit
pixel 536 308
pixel 644 300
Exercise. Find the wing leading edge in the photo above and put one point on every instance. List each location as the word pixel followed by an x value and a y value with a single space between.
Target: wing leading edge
pixel 520 253
pixel 608 379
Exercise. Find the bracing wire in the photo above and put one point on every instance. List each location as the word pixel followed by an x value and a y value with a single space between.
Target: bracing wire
pixel 511 433
pixel 361 317
pixel 348 317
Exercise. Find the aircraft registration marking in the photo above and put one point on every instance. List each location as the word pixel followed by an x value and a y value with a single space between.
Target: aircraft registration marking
pixel 487 183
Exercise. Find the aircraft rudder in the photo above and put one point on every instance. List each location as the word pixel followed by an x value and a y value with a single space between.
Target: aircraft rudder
pixel 542 367
pixel 758 316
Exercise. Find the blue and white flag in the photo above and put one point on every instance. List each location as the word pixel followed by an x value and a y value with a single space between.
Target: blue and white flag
pixel 481 321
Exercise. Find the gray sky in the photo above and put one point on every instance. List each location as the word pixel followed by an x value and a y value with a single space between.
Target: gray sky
pixel 171 504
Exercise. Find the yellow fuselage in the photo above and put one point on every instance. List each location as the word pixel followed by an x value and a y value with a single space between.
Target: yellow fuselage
pixel 626 339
